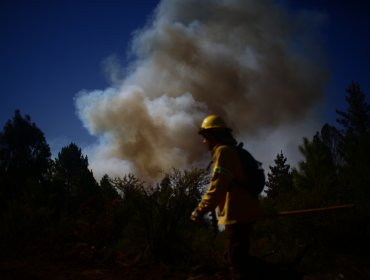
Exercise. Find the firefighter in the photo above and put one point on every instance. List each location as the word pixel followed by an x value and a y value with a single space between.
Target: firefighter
pixel 237 210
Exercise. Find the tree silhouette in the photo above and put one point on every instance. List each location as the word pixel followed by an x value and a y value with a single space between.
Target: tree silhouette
pixel 71 170
pixel 107 188
pixel 355 127
pixel 317 176
pixel 356 119
pixel 333 140
pixel 280 178
pixel 24 158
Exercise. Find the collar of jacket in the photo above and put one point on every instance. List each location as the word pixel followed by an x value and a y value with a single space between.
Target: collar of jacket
pixel 216 146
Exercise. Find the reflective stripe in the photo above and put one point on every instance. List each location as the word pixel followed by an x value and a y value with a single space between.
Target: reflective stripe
pixel 221 170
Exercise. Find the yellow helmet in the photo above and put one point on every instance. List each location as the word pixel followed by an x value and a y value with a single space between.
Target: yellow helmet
pixel 211 122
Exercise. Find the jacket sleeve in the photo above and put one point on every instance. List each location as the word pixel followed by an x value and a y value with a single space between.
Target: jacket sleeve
pixel 221 179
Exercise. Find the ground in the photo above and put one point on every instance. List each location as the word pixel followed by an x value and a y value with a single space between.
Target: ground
pixel 45 268
pixel 24 270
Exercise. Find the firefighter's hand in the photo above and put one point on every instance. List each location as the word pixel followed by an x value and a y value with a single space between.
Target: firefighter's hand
pixel 196 217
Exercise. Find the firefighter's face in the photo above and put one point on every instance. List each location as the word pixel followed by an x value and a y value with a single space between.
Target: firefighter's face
pixel 208 142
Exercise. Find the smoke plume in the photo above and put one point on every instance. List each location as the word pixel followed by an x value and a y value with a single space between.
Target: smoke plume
pixel 252 62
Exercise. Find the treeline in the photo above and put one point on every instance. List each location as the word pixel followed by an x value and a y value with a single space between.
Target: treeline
pixel 335 170
pixel 57 207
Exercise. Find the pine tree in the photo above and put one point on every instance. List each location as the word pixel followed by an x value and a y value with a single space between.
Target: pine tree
pixel 356 120
pixel 317 176
pixel 71 169
pixel 24 159
pixel 107 188
pixel 355 127
pixel 333 140
pixel 280 178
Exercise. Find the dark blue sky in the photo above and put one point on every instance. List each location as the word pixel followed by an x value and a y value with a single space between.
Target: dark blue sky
pixel 50 50
pixel 346 40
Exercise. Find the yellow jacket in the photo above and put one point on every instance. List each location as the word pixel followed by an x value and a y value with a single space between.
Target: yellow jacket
pixel 234 203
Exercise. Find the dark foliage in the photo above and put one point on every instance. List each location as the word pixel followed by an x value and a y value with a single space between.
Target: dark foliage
pixel 280 180
pixel 334 171
pixel 24 160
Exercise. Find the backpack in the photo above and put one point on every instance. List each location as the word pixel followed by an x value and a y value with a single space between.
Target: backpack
pixel 253 169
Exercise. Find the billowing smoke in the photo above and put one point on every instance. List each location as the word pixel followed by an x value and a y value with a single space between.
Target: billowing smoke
pixel 252 62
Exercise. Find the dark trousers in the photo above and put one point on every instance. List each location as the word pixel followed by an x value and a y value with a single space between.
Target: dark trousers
pixel 244 266
pixel 237 248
